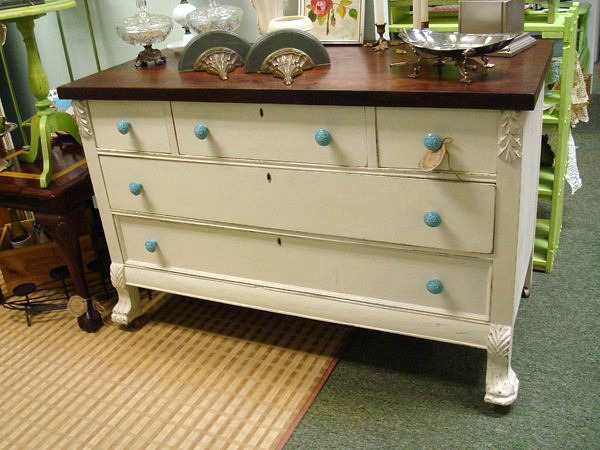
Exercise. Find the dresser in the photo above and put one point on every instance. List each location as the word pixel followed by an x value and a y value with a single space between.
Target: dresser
pixel 309 200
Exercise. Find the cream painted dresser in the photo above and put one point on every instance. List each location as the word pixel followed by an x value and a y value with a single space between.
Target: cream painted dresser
pixel 308 200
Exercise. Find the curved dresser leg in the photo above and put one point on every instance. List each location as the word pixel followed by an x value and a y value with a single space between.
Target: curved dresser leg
pixel 128 307
pixel 501 382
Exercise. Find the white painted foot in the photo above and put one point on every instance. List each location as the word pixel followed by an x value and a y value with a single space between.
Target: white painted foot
pixel 129 306
pixel 502 384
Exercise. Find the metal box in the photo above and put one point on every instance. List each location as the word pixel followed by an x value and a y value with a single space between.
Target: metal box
pixel 491 16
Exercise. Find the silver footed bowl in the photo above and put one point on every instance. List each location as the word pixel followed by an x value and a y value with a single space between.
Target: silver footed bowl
pixel 454 45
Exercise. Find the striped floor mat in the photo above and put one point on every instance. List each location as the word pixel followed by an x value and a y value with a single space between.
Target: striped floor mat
pixel 192 374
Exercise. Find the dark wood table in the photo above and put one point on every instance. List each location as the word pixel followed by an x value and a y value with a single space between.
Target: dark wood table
pixel 59 208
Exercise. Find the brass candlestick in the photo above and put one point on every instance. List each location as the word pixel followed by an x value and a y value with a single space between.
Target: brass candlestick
pixel 382 43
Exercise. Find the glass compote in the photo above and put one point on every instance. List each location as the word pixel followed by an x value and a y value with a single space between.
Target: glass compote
pixel 215 17
pixel 145 29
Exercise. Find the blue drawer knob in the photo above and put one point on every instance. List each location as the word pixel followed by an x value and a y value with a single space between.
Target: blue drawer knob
pixel 323 137
pixel 201 131
pixel 135 188
pixel 435 286
pixel 151 245
pixel 432 142
pixel 432 219
pixel 123 126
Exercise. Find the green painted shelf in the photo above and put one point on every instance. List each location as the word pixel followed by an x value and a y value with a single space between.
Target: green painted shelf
pixel 546 182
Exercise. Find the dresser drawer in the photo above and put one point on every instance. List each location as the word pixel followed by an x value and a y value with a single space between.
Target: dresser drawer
pixel 400 134
pixel 353 205
pixel 133 126
pixel 366 273
pixel 272 132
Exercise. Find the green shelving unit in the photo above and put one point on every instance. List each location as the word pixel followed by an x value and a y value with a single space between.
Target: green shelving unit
pixel 552 179
pixel 558 22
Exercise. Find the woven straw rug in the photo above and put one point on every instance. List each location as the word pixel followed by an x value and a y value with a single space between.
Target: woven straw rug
pixel 192 374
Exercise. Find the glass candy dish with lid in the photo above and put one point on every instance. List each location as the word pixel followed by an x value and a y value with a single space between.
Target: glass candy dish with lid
pixel 145 29
pixel 215 17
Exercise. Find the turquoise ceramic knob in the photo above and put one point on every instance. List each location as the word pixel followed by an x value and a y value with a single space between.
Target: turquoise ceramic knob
pixel 123 126
pixel 135 188
pixel 151 245
pixel 201 131
pixel 432 219
pixel 435 286
pixel 432 142
pixel 323 137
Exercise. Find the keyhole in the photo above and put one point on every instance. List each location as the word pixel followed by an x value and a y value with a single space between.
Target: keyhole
pixel 269 177
pixel 262 113
pixel 279 241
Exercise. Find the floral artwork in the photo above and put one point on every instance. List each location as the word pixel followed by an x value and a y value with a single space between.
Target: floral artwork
pixel 335 21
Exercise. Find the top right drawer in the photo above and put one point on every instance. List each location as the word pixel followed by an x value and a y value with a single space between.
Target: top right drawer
pixel 474 134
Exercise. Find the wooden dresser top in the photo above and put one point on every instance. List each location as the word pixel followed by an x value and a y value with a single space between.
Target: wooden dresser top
pixel 357 76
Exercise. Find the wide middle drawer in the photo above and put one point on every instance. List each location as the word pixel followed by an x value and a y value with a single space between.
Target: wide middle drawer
pixel 272 132
pixel 361 206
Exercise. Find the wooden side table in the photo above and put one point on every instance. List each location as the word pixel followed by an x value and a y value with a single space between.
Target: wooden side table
pixel 47 120
pixel 59 208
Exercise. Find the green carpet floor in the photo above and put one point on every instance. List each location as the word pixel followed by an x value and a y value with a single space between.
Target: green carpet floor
pixel 394 392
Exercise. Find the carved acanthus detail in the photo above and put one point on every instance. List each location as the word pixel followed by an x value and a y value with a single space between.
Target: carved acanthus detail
pixel 117 275
pixel 510 142
pixel 218 61
pixel 287 63
pixel 82 117
pixel 502 384
pixel 499 339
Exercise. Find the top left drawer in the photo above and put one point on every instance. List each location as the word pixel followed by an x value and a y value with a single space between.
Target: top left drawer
pixel 133 126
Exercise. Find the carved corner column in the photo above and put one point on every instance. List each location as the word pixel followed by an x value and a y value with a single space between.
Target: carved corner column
pixel 501 382
pixel 129 305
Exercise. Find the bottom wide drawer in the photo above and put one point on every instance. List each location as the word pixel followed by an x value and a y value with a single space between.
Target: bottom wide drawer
pixel 389 277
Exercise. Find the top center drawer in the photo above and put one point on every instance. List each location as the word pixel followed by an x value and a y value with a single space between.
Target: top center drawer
pixel 294 133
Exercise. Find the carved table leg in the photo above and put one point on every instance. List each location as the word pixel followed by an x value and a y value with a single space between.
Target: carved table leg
pixel 65 231
pixel 129 306
pixel 501 383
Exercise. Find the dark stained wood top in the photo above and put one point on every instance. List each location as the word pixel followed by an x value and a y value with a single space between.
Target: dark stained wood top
pixel 357 76
pixel 62 196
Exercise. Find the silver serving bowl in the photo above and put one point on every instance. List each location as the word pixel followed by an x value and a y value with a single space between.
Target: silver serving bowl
pixel 454 45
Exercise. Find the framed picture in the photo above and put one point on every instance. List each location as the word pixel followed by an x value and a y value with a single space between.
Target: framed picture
pixel 335 21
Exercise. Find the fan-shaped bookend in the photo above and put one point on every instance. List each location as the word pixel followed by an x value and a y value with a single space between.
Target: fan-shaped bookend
pixel 286 54
pixel 218 52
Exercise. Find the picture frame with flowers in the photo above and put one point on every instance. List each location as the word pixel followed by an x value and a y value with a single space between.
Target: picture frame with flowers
pixel 335 21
